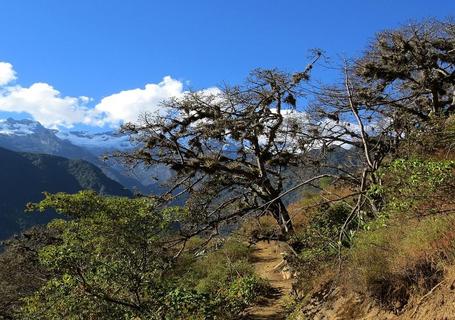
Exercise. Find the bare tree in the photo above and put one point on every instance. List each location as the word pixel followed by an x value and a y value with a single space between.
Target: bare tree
pixel 402 84
pixel 412 69
pixel 230 147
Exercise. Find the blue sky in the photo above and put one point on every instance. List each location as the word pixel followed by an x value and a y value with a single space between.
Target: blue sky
pixel 96 49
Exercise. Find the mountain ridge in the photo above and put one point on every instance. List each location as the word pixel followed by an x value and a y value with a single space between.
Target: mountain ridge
pixel 25 176
pixel 30 136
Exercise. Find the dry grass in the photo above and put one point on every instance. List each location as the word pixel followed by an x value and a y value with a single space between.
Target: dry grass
pixel 405 258
pixel 304 210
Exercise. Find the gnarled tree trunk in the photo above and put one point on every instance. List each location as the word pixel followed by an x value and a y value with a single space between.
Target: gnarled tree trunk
pixel 281 215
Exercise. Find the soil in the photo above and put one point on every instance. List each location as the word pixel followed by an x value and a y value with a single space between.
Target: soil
pixel 266 256
pixel 439 304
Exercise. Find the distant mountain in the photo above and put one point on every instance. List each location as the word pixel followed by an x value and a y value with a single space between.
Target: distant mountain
pixel 100 144
pixel 97 143
pixel 24 176
pixel 31 136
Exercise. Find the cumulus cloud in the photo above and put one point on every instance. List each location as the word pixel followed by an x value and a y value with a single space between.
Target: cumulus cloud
pixel 128 105
pixel 48 106
pixel 7 73
pixel 45 104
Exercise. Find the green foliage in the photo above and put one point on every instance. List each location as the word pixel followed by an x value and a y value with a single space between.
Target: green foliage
pixel 410 185
pixel 243 292
pixel 189 304
pixel 318 241
pixel 111 258
pixel 114 261
pixel 228 275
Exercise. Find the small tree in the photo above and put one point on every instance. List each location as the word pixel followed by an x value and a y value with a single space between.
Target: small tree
pixel 116 258
pixel 109 262
pixel 229 147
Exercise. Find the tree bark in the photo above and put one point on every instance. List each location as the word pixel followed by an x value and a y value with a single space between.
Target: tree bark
pixel 281 215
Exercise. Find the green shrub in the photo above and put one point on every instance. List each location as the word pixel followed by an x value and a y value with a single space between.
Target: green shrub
pixel 317 243
pixel 226 275
pixel 243 292
pixel 415 186
pixel 113 261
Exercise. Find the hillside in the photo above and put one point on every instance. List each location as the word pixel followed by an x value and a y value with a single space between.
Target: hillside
pixel 25 176
pixel 290 195
pixel 30 136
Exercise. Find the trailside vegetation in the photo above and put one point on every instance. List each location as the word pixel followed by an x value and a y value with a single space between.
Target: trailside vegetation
pixel 379 224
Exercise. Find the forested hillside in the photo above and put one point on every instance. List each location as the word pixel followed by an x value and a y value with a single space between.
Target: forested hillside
pixel 25 176
pixel 31 137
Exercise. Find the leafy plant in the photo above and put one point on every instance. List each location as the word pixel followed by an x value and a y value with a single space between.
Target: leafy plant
pixel 115 260
pixel 409 184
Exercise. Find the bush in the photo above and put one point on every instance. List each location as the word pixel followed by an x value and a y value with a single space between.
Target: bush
pixel 224 274
pixel 114 261
pixel 317 243
pixel 243 292
pixel 417 187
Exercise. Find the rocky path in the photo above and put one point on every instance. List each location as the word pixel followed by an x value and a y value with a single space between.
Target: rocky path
pixel 266 256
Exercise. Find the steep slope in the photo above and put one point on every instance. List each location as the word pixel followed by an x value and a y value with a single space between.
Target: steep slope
pixel 24 176
pixel 100 144
pixel 31 136
pixel 341 304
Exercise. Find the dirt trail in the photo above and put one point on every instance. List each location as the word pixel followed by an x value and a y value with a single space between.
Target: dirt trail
pixel 266 256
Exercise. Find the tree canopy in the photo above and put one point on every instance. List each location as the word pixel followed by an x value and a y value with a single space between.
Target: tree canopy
pixel 229 147
pixel 116 259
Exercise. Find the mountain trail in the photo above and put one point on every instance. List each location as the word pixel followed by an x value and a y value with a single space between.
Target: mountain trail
pixel 266 257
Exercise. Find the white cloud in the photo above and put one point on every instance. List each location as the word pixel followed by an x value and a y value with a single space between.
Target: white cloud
pixel 7 73
pixel 128 105
pixel 46 104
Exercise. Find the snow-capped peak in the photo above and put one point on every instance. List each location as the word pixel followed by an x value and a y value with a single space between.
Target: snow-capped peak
pixel 12 127
pixel 95 142
pixel 104 140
